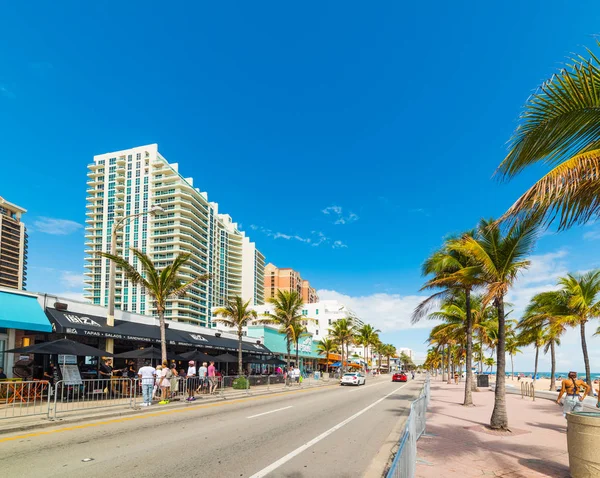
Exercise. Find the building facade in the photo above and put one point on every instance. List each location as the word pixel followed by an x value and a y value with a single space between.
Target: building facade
pixel 130 182
pixel 13 246
pixel 289 280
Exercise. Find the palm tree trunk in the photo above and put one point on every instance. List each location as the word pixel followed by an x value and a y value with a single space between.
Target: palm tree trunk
pixel 289 351
pixel 341 358
pixel 443 366
pixel 512 368
pixel 553 366
pixel 481 355
pixel 469 358
pixel 297 355
pixel 586 359
pixel 449 367
pixel 535 366
pixel 163 334
pixel 499 419
pixel 240 333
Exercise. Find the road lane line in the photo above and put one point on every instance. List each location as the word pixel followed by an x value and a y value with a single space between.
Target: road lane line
pixel 272 411
pixel 273 466
pixel 367 386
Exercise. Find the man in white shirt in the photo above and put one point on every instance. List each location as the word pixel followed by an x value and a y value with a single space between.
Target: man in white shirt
pixel 191 381
pixel 202 373
pixel 147 373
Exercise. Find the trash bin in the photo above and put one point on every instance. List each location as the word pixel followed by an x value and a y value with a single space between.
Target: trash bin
pixel 583 441
pixel 317 375
pixel 483 381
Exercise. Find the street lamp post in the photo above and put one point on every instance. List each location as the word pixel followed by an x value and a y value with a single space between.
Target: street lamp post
pixel 110 317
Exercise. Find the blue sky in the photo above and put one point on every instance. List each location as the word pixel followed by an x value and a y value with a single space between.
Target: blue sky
pixel 372 130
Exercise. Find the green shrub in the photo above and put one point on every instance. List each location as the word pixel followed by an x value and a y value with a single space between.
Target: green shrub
pixel 241 383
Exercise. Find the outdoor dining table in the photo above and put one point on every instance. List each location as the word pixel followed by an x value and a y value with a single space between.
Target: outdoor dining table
pixel 25 392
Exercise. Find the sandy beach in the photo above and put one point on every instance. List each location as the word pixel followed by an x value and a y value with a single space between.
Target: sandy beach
pixel 540 384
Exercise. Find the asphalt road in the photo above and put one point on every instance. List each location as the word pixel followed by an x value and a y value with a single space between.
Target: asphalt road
pixel 330 432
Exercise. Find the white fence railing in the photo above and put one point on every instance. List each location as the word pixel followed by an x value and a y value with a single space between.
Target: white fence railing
pixel 22 399
pixel 405 461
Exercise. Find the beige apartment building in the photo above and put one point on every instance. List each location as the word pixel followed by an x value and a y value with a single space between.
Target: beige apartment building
pixel 288 279
pixel 13 246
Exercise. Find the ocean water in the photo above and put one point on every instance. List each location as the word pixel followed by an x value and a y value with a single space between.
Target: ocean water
pixel 580 373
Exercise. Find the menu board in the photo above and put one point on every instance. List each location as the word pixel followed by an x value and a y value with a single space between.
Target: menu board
pixel 70 374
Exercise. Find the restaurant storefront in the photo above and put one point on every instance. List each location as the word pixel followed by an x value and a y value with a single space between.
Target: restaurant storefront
pixel 276 343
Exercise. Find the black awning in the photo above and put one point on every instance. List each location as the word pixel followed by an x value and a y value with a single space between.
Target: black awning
pixel 74 323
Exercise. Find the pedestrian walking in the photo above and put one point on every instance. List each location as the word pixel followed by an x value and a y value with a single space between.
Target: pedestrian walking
pixel 191 380
pixel 174 380
pixel 212 380
pixel 456 376
pixel 165 383
pixel 203 378
pixel 157 376
pixel 574 400
pixel 146 374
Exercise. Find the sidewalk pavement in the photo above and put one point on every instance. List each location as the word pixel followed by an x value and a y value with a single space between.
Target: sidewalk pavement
pixel 458 443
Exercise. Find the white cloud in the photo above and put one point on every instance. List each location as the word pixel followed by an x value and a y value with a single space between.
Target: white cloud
pixel 592 235
pixel 58 227
pixel 338 213
pixel 541 276
pixel 316 238
pixel 388 312
pixel 4 91
pixel 71 280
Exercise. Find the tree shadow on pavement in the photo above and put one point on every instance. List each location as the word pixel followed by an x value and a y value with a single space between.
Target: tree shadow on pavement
pixel 534 457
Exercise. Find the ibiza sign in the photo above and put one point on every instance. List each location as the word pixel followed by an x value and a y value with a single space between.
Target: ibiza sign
pixel 79 320
pixel 198 338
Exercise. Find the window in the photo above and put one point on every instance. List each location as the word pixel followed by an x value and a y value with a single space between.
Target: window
pixel 317 332
pixel 304 312
pixel 316 311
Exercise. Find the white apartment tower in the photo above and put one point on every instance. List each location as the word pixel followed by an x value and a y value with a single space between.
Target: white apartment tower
pixel 131 181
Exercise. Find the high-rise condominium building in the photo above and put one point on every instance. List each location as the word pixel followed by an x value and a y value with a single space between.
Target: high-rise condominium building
pixel 13 246
pixel 130 182
pixel 287 279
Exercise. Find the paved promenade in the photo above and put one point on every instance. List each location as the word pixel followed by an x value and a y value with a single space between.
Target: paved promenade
pixel 457 442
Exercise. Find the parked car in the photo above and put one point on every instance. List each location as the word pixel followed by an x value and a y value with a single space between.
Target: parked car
pixel 399 377
pixel 353 378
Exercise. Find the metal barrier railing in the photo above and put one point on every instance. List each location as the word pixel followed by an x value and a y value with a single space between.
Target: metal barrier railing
pixel 21 399
pixel 39 397
pixel 93 393
pixel 528 390
pixel 405 461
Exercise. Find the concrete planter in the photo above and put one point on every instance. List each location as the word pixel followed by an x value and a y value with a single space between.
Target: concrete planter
pixel 583 441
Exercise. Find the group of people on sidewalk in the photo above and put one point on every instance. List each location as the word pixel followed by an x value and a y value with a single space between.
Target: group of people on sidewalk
pixel 163 381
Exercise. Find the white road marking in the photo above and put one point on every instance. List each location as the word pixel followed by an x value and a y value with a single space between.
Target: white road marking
pixel 367 386
pixel 273 466
pixel 272 411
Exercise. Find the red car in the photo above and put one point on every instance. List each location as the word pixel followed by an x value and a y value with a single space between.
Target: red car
pixel 399 377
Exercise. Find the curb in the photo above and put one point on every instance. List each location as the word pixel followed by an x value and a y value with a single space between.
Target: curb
pixel 46 423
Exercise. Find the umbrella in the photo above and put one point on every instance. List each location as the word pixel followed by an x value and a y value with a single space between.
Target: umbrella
pixel 275 361
pixel 197 356
pixel 62 347
pixel 148 353
pixel 227 358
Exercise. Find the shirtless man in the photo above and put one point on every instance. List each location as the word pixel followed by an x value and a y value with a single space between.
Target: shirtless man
pixel 573 399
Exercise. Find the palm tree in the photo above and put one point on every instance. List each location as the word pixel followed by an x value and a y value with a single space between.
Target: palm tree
pixel 389 351
pixel 366 336
pixel 236 314
pixel 296 331
pixel 532 334
pixel 453 271
pixel 583 291
pixel 489 363
pixel 160 284
pixel 287 308
pixel 325 347
pixel 549 310
pixel 512 348
pixel 559 128
pixel 342 331
pixel 500 256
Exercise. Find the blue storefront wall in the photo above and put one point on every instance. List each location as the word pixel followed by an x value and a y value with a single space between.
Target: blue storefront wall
pixel 276 342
